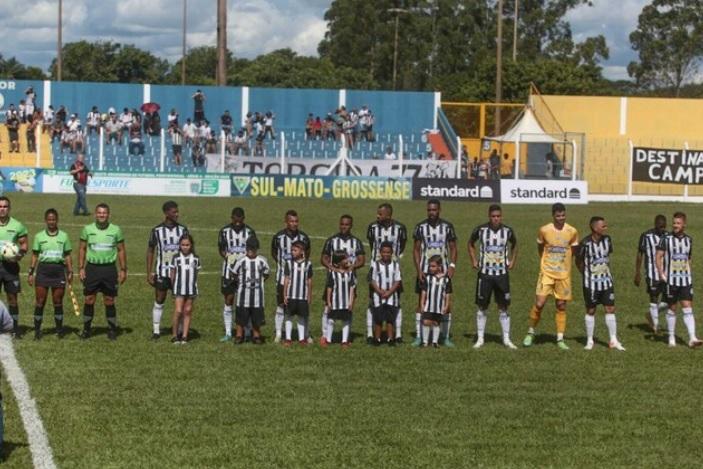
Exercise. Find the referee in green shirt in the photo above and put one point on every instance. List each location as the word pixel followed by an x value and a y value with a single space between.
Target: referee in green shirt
pixel 101 245
pixel 11 231
pixel 50 268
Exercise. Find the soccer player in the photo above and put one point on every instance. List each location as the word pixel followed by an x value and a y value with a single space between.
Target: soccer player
pixel 557 243
pixel 184 280
pixel 385 229
pixel 353 249
pixel 593 261
pixel 51 261
pixel 384 282
pixel 101 246
pixel 674 265
pixel 281 253
pixel 497 252
pixel 162 246
pixel 11 231
pixel 297 291
pixel 250 271
pixel 656 286
pixel 434 237
pixel 232 247
pixel 341 293
pixel 435 300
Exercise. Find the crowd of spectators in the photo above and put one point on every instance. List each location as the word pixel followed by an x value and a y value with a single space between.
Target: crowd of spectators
pixel 352 126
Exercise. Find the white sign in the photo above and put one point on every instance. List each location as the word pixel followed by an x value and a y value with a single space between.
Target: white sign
pixel 141 184
pixel 548 191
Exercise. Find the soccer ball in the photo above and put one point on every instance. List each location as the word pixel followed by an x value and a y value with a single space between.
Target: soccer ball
pixel 9 252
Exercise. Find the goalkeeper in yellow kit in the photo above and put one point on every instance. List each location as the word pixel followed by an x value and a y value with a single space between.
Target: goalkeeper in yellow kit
pixel 557 242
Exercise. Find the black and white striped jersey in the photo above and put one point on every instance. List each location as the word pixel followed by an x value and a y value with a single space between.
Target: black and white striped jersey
pixel 395 233
pixel 677 259
pixel 434 241
pixel 494 247
pixel 281 249
pixel 298 273
pixel 595 256
pixel 343 286
pixel 349 244
pixel 649 240
pixel 164 239
pixel 185 281
pixel 232 241
pixel 435 288
pixel 385 276
pixel 250 274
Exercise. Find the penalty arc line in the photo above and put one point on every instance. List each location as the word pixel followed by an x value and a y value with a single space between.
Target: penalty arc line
pixel 42 456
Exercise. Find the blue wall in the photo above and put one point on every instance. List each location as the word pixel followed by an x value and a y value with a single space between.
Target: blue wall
pixel 292 106
pixel 14 95
pixel 80 97
pixel 217 101
pixel 399 111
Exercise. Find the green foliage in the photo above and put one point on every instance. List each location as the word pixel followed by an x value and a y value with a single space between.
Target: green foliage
pixel 201 64
pixel 12 68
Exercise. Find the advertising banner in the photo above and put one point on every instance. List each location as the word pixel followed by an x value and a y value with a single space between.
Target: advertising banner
pixel 320 187
pixel 671 166
pixel 319 167
pixel 193 185
pixel 548 191
pixel 21 179
pixel 467 190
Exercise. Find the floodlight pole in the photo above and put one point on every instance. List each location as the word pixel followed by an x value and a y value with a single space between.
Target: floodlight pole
pixel 397 12
pixel 59 45
pixel 515 31
pixel 221 42
pixel 183 48
pixel 499 66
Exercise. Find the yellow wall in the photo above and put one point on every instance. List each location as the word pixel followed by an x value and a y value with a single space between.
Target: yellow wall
pixel 24 158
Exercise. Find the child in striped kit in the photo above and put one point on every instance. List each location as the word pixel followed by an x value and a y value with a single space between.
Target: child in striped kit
pixel 341 293
pixel 184 279
pixel 297 292
pixel 435 301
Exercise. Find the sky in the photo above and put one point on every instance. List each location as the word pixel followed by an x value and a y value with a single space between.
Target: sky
pixel 254 26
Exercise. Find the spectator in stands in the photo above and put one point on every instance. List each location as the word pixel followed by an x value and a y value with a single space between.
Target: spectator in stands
pixel 317 128
pixel 155 124
pixel 249 125
pixel 204 132
pixel 146 122
pixel 173 120
pixel 366 123
pixel 48 119
pixel 506 167
pixel 473 174
pixel 136 146
pixel 268 125
pixel 494 163
pixel 389 155
pixel 329 128
pixel 189 130
pixel 176 144
pixel 309 123
pixel 239 144
pixel 197 154
pixel 92 120
pixel 464 161
pixel 126 119
pixel 484 169
pixel 226 123
pixel 198 106
pixel 21 112
pixel 77 139
pixel 113 130
pixel 348 129
pixel 211 142
pixel 80 173
pixel 12 123
pixel 260 136
pixel 66 139
pixel 73 123
pixel 56 129
pixel 30 98
pixel 61 115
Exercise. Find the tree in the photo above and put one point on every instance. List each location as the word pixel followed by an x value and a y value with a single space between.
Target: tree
pixel 12 68
pixel 669 40
pixel 201 66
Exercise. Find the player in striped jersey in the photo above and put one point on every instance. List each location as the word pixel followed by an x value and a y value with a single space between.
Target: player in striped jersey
pixel 281 245
pixel 496 257
pixel 385 282
pixel 251 271
pixel 647 252
pixel 435 299
pixel 341 293
pixel 232 247
pixel 434 237
pixel 184 278
pixel 353 249
pixel 674 265
pixel 593 261
pixel 297 291
pixel 161 249
pixel 385 229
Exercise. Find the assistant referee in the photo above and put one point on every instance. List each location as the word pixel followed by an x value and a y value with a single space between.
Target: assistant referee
pixel 101 246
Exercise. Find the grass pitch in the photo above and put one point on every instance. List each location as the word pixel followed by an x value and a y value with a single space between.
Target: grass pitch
pixel 135 403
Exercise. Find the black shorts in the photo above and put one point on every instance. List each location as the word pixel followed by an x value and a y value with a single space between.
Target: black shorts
pixel 100 278
pixel 655 289
pixel 228 286
pixel 340 314
pixel 675 294
pixel 299 308
pixel 496 285
pixel 14 135
pixel 435 317
pixel 279 294
pixel 162 283
pixel 50 275
pixel 177 149
pixel 594 298
pixel 385 313
pixel 418 286
pixel 244 315
pixel 10 277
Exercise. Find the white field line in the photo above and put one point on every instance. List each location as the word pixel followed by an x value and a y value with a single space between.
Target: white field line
pixel 42 456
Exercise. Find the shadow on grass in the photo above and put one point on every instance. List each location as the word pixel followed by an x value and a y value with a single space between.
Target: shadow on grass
pixel 582 339
pixel 8 447
pixel 102 331
pixel 649 335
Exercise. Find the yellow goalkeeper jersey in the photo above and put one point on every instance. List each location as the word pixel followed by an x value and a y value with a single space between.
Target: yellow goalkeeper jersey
pixel 556 256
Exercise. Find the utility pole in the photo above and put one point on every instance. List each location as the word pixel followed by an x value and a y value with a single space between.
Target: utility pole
pixel 221 42
pixel 499 67
pixel 397 12
pixel 515 21
pixel 59 46
pixel 183 53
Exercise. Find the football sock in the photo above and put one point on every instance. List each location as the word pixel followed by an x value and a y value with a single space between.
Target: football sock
pixel 446 325
pixel 590 326
pixel 435 334
pixel 535 315
pixel 88 313
pixel 227 314
pixel 480 323
pixel 38 316
pixel 671 323
pixel 425 334
pixel 418 324
pixel 278 320
pixel 329 329
pixel 156 313
pixel 15 313
pixel 289 326
pixel 531 330
pixel 58 315
pixel 369 323
pixel 612 326
pixel 324 322
pixel 690 322
pixel 654 314
pixel 345 331
pixel 504 319
pixel 111 315
pixel 247 329
pixel 399 324
pixel 302 328
pixel 560 319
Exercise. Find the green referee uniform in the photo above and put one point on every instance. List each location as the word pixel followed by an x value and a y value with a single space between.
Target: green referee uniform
pixel 100 269
pixel 11 232
pixel 51 251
